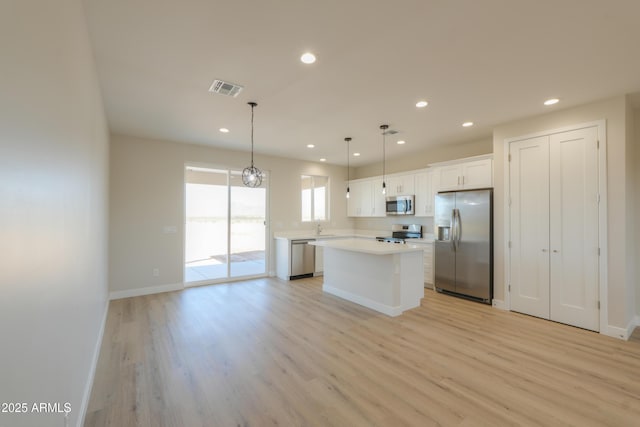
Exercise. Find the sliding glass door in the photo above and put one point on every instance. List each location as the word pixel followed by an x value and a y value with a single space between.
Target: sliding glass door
pixel 247 219
pixel 225 230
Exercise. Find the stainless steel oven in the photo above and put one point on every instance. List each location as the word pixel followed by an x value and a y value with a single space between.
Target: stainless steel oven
pixel 400 233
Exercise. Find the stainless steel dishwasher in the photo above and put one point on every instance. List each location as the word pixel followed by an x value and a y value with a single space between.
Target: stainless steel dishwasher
pixel 303 259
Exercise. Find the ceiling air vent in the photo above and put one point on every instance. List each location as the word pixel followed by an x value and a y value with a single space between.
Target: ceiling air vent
pixel 225 88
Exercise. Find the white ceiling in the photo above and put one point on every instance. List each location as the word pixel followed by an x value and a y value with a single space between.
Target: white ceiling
pixel 489 62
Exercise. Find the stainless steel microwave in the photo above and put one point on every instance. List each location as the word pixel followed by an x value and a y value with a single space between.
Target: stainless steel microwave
pixel 400 205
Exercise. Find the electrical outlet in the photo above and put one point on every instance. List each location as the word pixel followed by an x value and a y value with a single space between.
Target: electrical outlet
pixel 169 229
pixel 156 272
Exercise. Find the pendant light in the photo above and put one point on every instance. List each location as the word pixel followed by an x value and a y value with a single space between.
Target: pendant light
pixel 252 176
pixel 348 154
pixel 384 133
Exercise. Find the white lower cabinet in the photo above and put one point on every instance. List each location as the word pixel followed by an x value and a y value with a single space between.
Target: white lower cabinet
pixel 319 260
pixel 427 249
pixel 428 265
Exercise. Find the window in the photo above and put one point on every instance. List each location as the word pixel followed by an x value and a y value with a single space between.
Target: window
pixel 315 198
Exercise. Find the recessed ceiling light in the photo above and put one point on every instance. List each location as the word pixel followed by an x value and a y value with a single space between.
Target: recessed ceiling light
pixel 551 101
pixel 356 154
pixel 224 130
pixel 308 58
pixel 421 104
pixel 467 124
pixel 310 145
pixel 400 142
pixel 323 159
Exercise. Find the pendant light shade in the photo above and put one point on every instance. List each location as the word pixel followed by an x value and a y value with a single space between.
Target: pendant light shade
pixel 384 133
pixel 348 154
pixel 252 176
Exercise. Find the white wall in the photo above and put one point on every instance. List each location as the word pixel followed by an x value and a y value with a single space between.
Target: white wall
pixel 620 284
pixel 147 193
pixel 637 207
pixel 631 198
pixel 53 222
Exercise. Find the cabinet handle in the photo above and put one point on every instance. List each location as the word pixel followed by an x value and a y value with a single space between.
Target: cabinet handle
pixel 544 250
pixel 458 179
pixel 556 251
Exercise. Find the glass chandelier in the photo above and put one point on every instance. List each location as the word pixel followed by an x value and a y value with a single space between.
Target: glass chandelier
pixel 348 153
pixel 252 176
pixel 384 133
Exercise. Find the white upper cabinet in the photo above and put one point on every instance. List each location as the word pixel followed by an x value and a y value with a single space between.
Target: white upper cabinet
pixel 464 175
pixel 379 205
pixel 448 177
pixel 360 198
pixel 366 198
pixel 425 193
pixel 400 185
pixel 477 174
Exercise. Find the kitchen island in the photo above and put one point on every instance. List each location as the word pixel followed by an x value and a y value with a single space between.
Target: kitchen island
pixel 385 277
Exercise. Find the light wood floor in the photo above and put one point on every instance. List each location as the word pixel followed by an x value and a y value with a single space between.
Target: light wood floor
pixel 266 352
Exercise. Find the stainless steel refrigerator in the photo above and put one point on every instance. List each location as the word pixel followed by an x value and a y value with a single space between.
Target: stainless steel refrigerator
pixel 463 225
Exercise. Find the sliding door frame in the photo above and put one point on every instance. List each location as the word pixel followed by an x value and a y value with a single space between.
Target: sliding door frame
pixel 267 222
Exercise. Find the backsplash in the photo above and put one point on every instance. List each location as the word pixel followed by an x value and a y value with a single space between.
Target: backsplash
pixel 385 223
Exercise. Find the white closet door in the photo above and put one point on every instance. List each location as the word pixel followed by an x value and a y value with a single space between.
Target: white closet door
pixel 574 228
pixel 529 170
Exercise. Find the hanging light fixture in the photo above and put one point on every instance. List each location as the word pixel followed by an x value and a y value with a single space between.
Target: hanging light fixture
pixel 384 133
pixel 252 176
pixel 348 153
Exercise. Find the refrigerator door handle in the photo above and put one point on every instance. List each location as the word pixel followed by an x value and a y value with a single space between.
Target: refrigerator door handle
pixel 455 228
pixel 452 234
pixel 458 227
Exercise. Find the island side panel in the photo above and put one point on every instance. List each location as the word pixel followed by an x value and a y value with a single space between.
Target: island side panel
pixel 363 278
pixel 411 279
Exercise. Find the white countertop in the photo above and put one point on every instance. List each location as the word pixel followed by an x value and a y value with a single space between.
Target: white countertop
pixel 342 234
pixel 366 246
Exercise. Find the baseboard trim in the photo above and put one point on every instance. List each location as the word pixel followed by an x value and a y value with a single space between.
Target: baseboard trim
pixel 622 333
pixel 499 304
pixel 635 323
pixel 94 365
pixel 149 290
pixel 374 305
